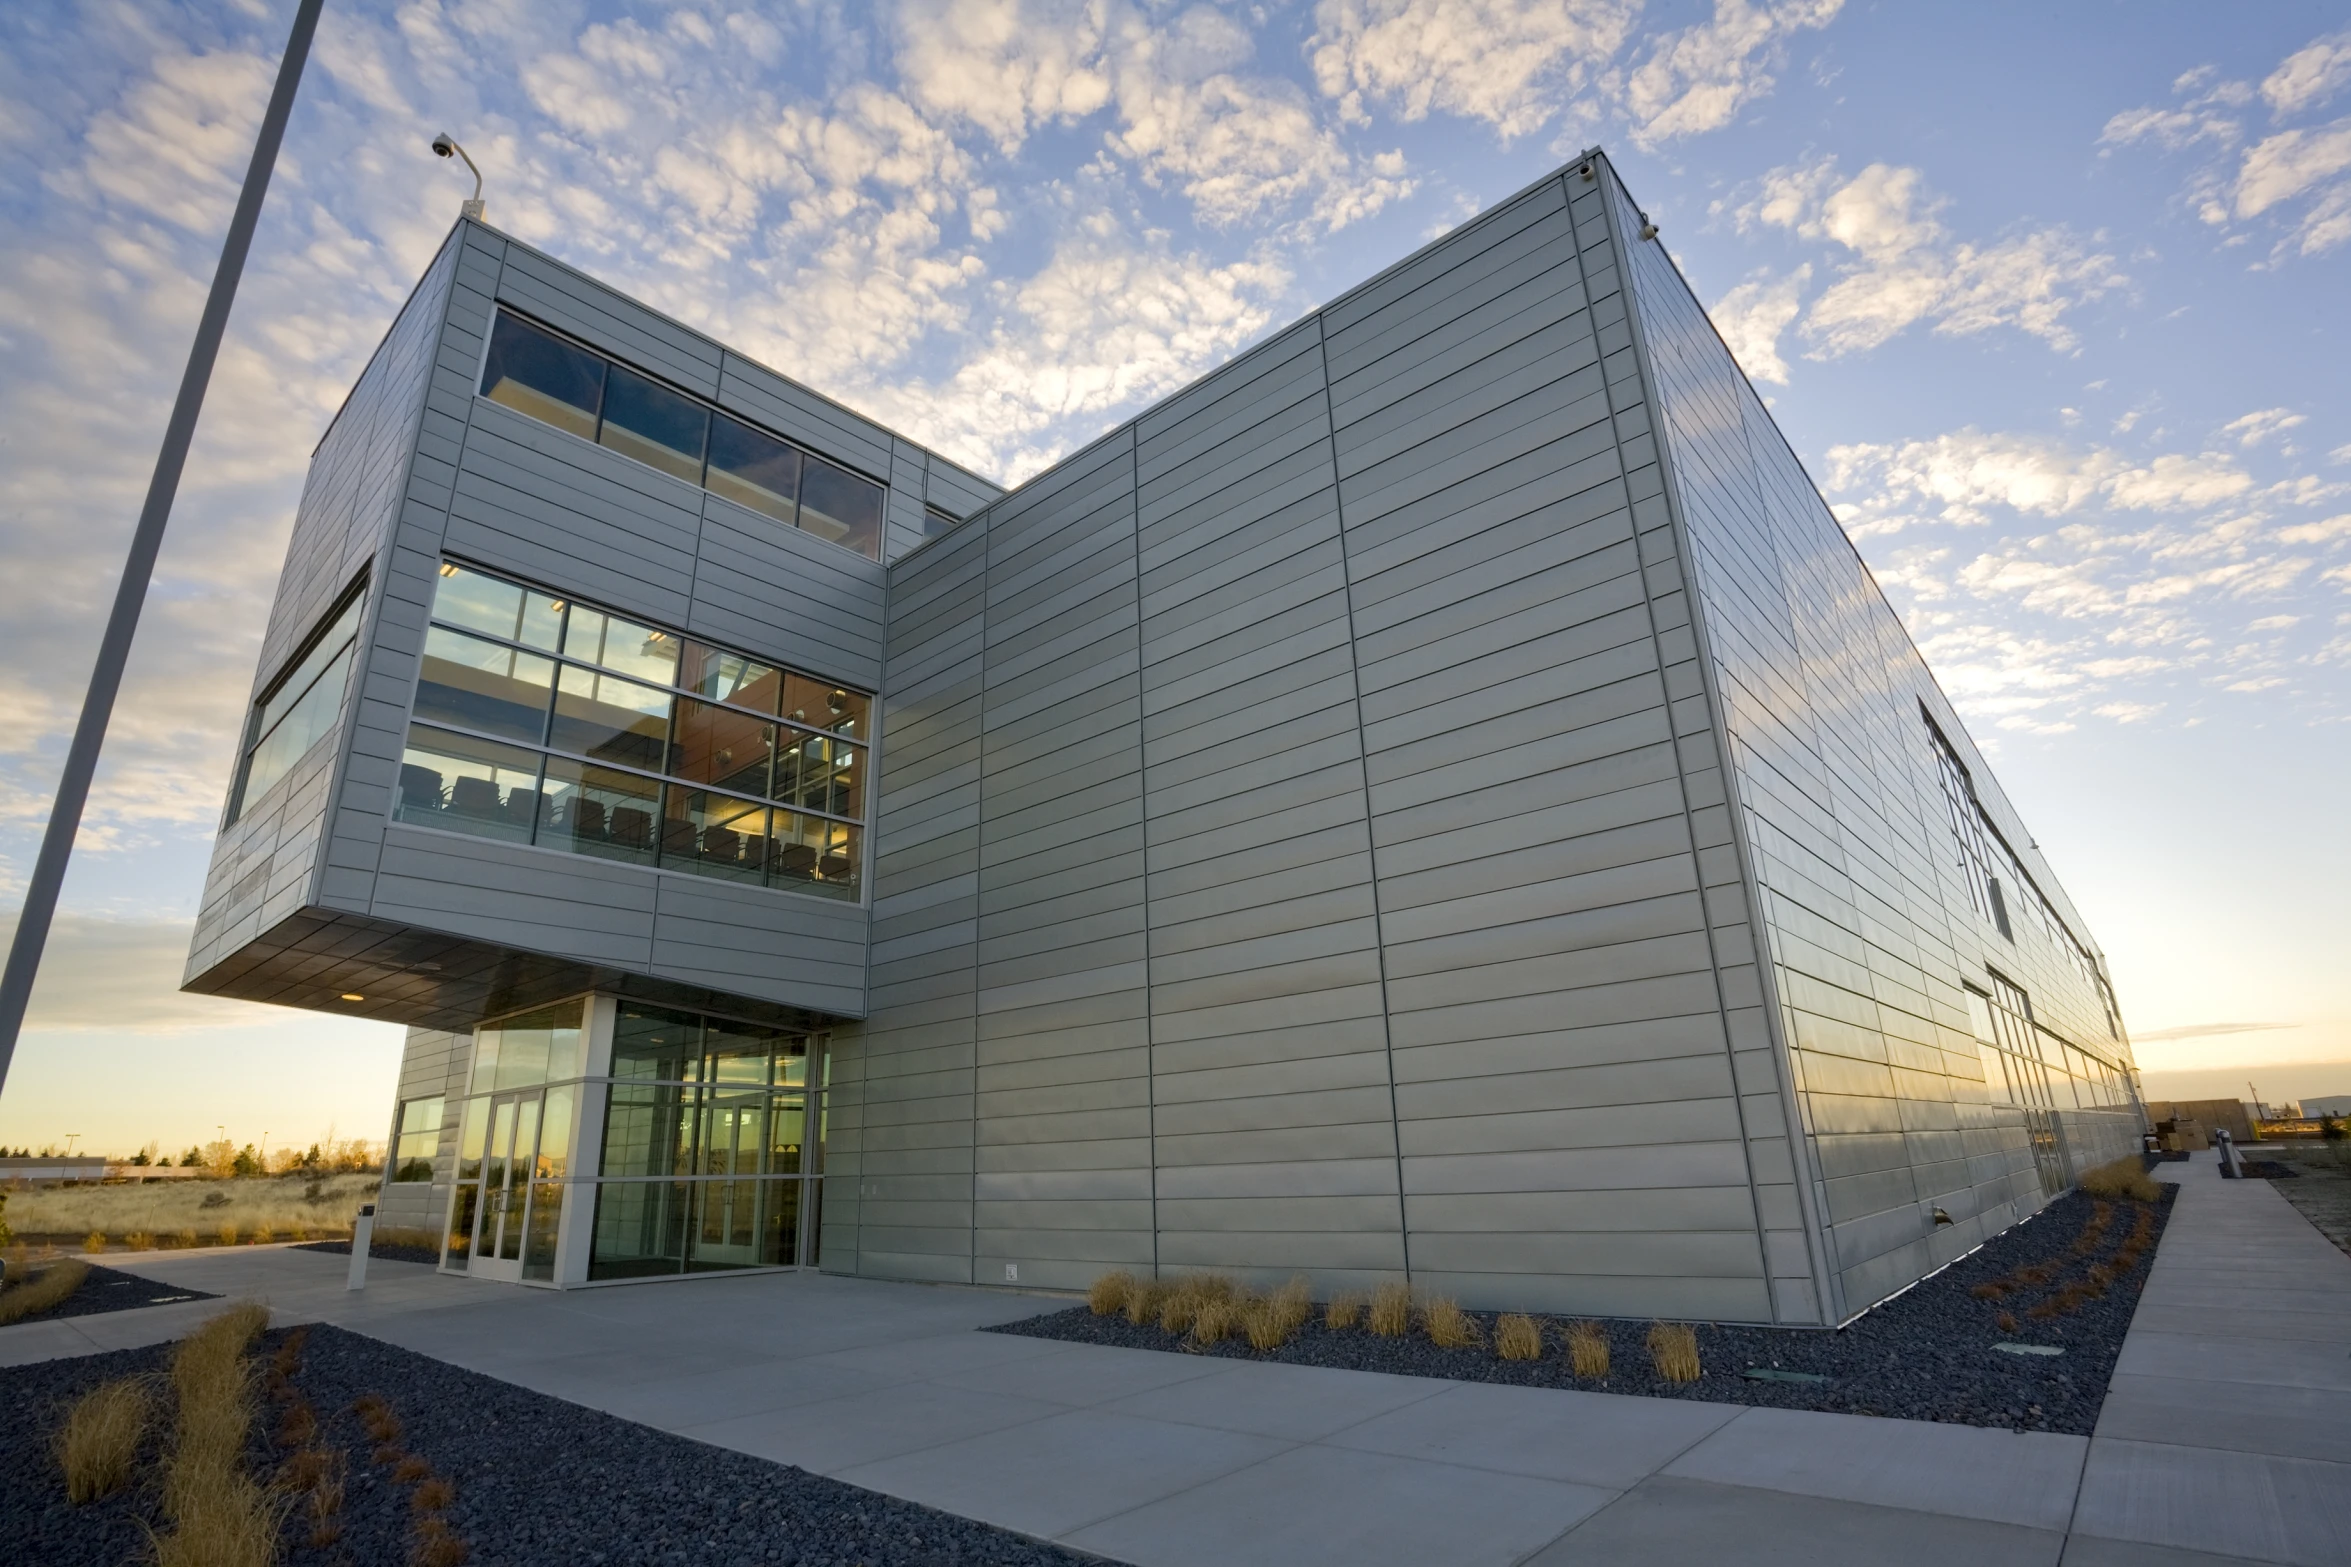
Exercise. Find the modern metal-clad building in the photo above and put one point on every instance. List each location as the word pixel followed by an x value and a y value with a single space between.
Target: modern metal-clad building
pixel 1439 796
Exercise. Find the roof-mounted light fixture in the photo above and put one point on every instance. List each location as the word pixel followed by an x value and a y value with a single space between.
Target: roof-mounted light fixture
pixel 445 146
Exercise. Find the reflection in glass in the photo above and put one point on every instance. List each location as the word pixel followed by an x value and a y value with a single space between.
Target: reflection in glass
pixel 539 1046
pixel 721 747
pixel 516 1196
pixel 611 719
pixel 658 427
pixel 484 686
pixel 594 637
pixel 476 786
pixel 648 1129
pixel 731 677
pixel 539 374
pixel 463 1202
pixel 300 710
pixel 713 834
pixel 649 1042
pixel 822 705
pixel 600 811
pixel 819 773
pixel 753 469
pixel 640 1229
pixel 419 1139
pixel 499 609
pixel 835 504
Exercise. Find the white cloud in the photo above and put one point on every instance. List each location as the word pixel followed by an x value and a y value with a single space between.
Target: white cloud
pixel 1518 65
pixel 2310 75
pixel 123 976
pixel 1698 79
pixel 2258 426
pixel 1751 318
pixel 1510 63
pixel 2308 166
pixel 1960 477
pixel 1907 268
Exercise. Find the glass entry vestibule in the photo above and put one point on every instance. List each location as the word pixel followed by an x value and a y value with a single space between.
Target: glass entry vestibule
pixel 698 1144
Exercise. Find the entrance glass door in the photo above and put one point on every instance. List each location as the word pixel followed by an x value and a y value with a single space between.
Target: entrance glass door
pixel 497 1152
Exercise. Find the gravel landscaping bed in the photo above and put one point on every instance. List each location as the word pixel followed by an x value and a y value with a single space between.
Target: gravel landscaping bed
pixel 378 1251
pixel 537 1482
pixel 1932 1353
pixel 109 1290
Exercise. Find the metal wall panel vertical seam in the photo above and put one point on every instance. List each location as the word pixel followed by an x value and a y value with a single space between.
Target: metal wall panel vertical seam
pixel 1624 283
pixel 1150 1013
pixel 1799 1142
pixel 979 881
pixel 379 575
pixel 1371 847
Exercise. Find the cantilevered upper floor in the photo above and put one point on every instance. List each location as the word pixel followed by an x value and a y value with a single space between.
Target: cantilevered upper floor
pixel 567 576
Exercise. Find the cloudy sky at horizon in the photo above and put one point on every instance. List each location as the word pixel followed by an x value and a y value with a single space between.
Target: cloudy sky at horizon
pixel 2051 305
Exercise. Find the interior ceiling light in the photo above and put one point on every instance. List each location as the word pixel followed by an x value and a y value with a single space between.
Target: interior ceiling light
pixel 347 996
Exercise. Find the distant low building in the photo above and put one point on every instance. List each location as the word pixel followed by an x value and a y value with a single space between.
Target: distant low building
pixel 2232 1116
pixel 2327 1104
pixel 53 1168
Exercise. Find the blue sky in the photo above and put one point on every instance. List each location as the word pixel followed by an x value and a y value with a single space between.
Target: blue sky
pixel 2050 300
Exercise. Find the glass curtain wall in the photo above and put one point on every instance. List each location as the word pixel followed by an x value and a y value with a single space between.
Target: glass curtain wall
pixel 713 1134
pixel 557 382
pixel 539 720
pixel 2016 1072
pixel 514 1143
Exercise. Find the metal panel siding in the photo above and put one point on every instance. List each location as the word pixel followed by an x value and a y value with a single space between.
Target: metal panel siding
pixel 1868 931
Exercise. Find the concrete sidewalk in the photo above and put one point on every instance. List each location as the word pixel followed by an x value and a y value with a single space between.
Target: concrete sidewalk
pixel 1171 1461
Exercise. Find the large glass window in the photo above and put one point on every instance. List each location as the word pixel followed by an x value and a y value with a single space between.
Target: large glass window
pixel 298 709
pixel 705 1159
pixel 535 372
pixel 419 1139
pixel 630 742
pixel 541 1046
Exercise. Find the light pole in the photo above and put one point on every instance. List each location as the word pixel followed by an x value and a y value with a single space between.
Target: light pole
pixel 114 648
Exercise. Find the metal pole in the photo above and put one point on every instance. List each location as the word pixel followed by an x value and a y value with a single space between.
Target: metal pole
pixel 114 649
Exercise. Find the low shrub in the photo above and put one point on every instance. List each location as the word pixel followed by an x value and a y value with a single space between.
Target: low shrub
pixel 1109 1292
pixel 1587 1349
pixel 94 1242
pixel 1518 1336
pixel 2124 1177
pixel 101 1439
pixel 228 1234
pixel 1391 1309
pixel 139 1240
pixel 1448 1326
pixel 1673 1350
pixel 188 1238
pixel 1344 1311
pixel 263 1235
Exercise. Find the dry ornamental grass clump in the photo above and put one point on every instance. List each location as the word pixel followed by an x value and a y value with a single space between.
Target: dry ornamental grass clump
pixel 1344 1311
pixel 44 1290
pixel 94 1242
pixel 102 1437
pixel 1272 1321
pixel 139 1240
pixel 1144 1301
pixel 1518 1336
pixel 1216 1321
pixel 1448 1326
pixel 2124 1177
pixel 188 1237
pixel 228 1234
pixel 1391 1309
pixel 1109 1293
pixel 1673 1350
pixel 219 1515
pixel 1587 1350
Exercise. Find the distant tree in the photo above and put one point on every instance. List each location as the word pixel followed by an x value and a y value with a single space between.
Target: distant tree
pixel 191 1159
pixel 2330 1129
pixel 7 1235
pixel 142 1158
pixel 246 1162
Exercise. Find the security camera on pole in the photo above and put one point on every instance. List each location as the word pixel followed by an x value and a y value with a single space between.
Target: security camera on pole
pixel 445 146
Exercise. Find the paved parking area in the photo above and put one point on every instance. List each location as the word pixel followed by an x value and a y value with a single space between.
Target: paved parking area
pixel 2228 1432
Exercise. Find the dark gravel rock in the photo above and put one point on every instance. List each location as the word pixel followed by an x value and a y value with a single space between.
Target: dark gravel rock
pixel 2270 1170
pixel 378 1251
pixel 1927 1354
pixel 539 1482
pixel 109 1290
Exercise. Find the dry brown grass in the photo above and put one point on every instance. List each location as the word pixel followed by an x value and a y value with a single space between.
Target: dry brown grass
pixel 1587 1349
pixel 228 1234
pixel 1271 1321
pixel 94 1242
pixel 219 1515
pixel 1216 1321
pixel 2006 1321
pixel 1673 1350
pixel 437 1545
pixel 2125 1177
pixel 1145 1299
pixel 166 1207
pixel 1391 1309
pixel 433 1496
pixel 187 1238
pixel 1108 1294
pixel 100 1443
pixel 139 1240
pixel 43 1290
pixel 1344 1311
pixel 1448 1326
pixel 1518 1336
pixel 411 1469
